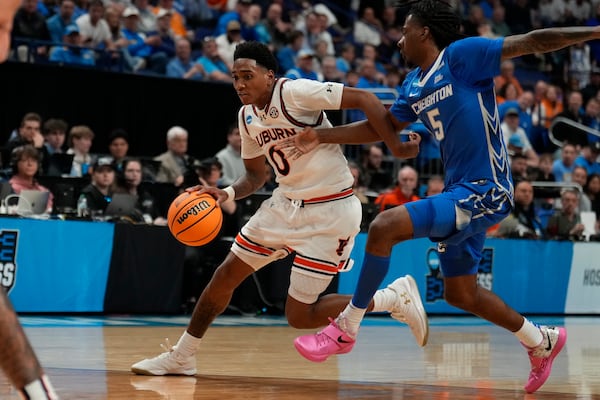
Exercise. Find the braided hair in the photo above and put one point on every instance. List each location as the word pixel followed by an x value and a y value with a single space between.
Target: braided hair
pixel 256 51
pixel 439 16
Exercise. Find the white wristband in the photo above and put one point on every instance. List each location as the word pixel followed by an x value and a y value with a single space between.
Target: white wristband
pixel 230 193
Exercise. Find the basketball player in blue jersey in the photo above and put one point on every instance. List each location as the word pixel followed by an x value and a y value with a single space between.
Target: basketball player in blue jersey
pixel 312 214
pixel 452 92
pixel 17 358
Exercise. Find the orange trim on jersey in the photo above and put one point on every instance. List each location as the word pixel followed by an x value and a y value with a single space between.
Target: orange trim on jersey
pixel 317 265
pixel 336 196
pixel 289 117
pixel 252 247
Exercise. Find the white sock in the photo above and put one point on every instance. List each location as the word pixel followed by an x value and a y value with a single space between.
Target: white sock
pixel 529 334
pixel 188 344
pixel 352 318
pixel 40 389
pixel 384 300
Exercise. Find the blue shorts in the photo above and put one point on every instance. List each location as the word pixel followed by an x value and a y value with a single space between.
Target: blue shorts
pixel 458 220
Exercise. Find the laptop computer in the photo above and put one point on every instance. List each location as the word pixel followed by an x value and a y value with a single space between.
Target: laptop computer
pixel 32 202
pixel 121 204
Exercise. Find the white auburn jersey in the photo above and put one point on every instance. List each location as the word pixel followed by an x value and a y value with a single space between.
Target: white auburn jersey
pixel 294 105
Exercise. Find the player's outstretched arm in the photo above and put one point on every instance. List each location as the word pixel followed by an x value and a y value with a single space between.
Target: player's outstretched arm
pixel 547 40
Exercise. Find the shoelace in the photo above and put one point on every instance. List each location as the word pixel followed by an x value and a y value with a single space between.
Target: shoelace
pixel 297 204
pixel 322 338
pixel 166 346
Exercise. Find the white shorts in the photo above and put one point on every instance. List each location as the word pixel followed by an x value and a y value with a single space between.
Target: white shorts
pixel 322 235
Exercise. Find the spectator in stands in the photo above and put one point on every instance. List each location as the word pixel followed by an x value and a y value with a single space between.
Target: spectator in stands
pixel 580 176
pixel 435 185
pixel 129 182
pixel 315 29
pixel 360 190
pixel 182 65
pixel 252 27
pixel 346 61
pixel 25 164
pixel 507 74
pixel 177 21
pixel 518 167
pixel 511 129
pixel 370 78
pixel 305 67
pixel 403 192
pixel 499 25
pixel 118 147
pixel 368 28
pixel 539 132
pixel 552 105
pixel 565 224
pixel 474 19
pixel 93 28
pixel 563 167
pixel 161 42
pixel 240 9
pixel 277 28
pixel 524 105
pixel 589 158
pixel 230 157
pixel 29 132
pixel 369 52
pixel 137 47
pixel 175 162
pixel 523 221
pixel 329 70
pixel 573 112
pixel 58 22
pixel 591 89
pixel 147 18
pixel 30 24
pixel 375 177
pixel 286 55
pixel 591 118
pixel 71 52
pixel 214 66
pixel 80 142
pixel 508 92
pixel 543 173
pixel 592 189
pixel 121 42
pixel 54 132
pixel 99 191
pixel 579 63
pixel 227 41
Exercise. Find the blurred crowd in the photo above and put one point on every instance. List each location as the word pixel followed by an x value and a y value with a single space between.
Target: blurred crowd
pixel 549 105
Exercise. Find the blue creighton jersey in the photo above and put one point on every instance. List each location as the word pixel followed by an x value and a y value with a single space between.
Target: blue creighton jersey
pixel 455 99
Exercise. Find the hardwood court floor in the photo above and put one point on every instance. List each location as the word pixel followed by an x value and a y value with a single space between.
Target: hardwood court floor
pixel 253 358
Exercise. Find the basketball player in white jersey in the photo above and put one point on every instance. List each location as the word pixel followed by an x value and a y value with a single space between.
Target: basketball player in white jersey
pixel 312 213
pixel 17 359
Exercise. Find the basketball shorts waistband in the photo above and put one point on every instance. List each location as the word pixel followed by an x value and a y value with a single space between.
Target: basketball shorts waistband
pixel 345 193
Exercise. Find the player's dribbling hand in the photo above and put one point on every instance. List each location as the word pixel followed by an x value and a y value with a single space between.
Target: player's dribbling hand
pixel 215 192
pixel 302 143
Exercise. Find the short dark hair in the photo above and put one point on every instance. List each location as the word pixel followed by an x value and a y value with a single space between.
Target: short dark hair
pixel 55 125
pixel 442 19
pixel 256 51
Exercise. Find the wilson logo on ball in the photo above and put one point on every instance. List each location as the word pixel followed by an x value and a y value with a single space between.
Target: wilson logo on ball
pixel 195 210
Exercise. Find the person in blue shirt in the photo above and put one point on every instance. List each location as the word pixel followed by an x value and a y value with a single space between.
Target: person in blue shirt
pixel 451 90
pixel 72 53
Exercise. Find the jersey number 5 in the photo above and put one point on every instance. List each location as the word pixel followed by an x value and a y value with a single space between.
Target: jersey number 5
pixel 438 128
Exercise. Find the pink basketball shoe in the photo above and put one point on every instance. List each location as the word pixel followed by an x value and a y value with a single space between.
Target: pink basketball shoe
pixel 542 356
pixel 318 346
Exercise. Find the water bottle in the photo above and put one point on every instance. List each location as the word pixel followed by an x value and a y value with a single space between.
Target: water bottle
pixel 82 206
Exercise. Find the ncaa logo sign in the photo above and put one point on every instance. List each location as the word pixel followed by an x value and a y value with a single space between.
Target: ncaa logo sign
pixel 8 256
pixel 435 279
